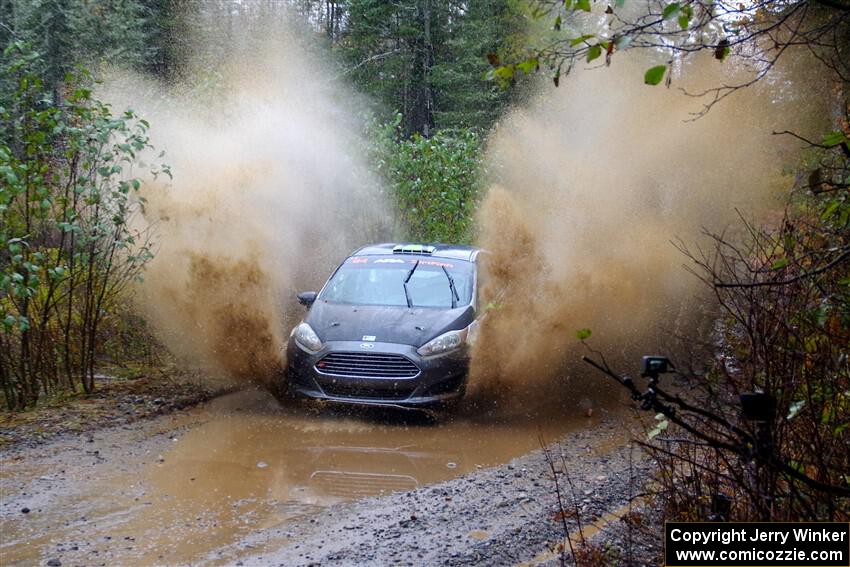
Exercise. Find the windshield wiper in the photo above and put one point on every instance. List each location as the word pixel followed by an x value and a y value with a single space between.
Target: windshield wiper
pixel 407 279
pixel 455 296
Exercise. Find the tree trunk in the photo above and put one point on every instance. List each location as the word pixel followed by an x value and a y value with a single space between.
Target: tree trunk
pixel 419 115
pixel 427 63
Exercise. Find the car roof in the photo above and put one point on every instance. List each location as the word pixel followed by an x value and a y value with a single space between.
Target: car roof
pixel 454 251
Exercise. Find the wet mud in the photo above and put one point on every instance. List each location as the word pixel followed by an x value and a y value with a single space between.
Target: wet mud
pixel 180 489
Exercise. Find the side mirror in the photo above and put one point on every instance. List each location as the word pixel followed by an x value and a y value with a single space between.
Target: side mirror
pixel 307 298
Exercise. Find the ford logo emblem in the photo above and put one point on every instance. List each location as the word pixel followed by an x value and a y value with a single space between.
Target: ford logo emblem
pixel 367 345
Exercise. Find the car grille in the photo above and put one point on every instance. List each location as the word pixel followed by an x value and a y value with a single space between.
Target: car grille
pixel 353 390
pixel 367 365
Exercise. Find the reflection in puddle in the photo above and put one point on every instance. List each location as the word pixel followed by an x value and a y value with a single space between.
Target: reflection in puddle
pixel 252 465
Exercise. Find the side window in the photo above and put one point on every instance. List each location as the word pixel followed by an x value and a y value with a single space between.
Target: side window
pixel 337 284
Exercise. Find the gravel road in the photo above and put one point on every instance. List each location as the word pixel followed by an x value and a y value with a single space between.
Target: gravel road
pixel 89 499
pixel 505 515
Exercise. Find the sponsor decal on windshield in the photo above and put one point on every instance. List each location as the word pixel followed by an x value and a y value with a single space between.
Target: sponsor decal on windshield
pixel 435 263
pixel 408 261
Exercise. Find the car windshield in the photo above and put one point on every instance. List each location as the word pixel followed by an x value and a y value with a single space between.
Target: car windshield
pixel 379 280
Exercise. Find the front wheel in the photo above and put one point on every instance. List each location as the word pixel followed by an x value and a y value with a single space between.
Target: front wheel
pixel 281 389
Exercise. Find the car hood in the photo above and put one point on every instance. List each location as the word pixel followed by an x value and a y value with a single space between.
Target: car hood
pixel 410 326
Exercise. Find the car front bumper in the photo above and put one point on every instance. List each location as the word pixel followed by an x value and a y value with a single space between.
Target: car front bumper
pixel 438 379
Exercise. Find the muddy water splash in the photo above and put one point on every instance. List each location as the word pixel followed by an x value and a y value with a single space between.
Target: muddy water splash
pixel 592 182
pixel 269 191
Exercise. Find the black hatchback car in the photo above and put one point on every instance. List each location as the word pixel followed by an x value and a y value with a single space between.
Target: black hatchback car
pixel 392 326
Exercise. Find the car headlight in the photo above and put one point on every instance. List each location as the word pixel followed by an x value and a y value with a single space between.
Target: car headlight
pixel 306 337
pixel 445 342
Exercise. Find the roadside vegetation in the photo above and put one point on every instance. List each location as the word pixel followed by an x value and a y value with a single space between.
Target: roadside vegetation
pixel 764 429
pixel 436 180
pixel 67 211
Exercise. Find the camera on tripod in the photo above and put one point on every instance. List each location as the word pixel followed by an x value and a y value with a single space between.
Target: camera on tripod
pixel 653 366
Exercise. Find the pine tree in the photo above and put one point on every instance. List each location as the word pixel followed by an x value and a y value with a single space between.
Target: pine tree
pixel 464 96
pixel 427 59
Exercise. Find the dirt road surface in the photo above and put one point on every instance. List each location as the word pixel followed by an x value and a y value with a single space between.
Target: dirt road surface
pixel 242 480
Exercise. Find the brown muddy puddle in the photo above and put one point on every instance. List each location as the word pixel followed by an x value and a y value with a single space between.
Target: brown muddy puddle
pixel 248 465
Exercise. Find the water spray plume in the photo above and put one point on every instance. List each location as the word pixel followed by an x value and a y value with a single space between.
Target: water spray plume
pixel 269 191
pixel 592 182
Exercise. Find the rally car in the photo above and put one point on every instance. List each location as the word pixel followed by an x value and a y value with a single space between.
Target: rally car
pixel 391 326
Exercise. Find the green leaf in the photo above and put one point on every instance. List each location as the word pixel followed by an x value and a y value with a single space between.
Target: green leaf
pixel 685 16
pixel 834 138
pixel 830 210
pixel 583 334
pixel 594 52
pixel 583 5
pixel 654 75
pixel 581 39
pixel 670 10
pixel 663 424
pixel 780 263
pixel 527 66
pixel 505 72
